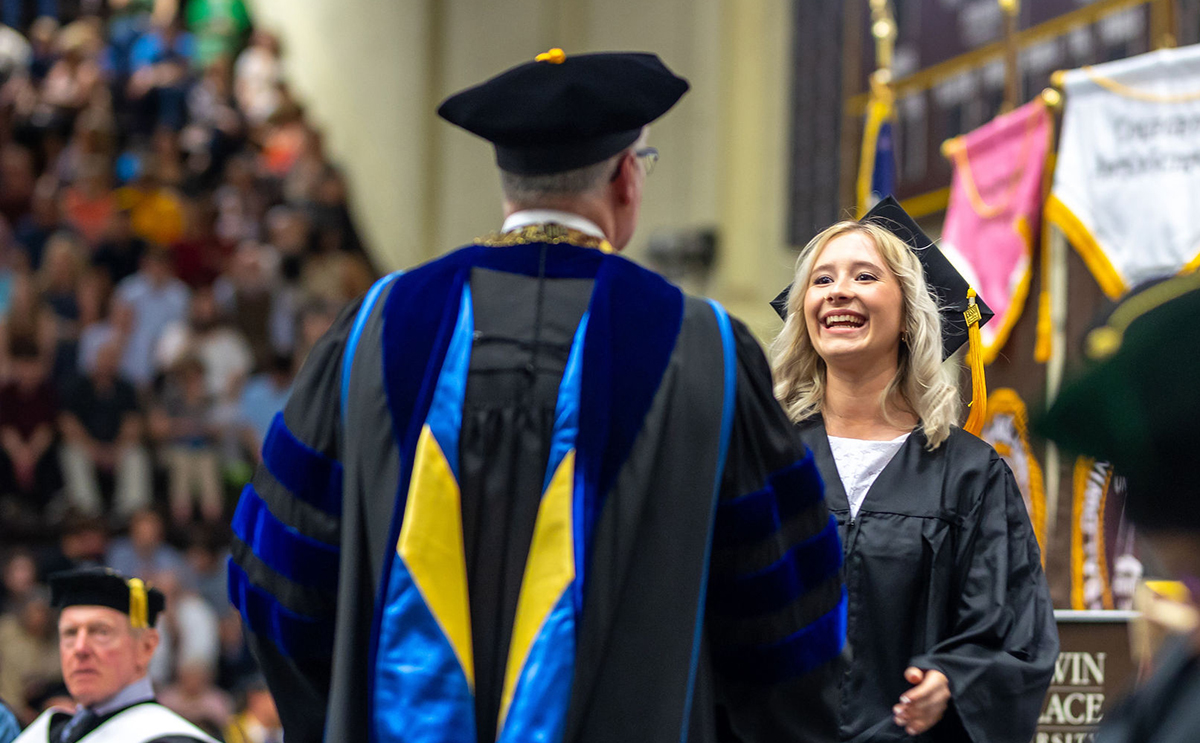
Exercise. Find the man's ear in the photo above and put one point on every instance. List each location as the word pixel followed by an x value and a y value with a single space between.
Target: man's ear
pixel 147 642
pixel 624 185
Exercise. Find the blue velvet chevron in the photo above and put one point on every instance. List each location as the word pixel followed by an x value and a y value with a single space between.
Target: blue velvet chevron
pixel 307 473
pixel 752 517
pixel 795 655
pixel 802 569
pixel 297 557
pixel 296 635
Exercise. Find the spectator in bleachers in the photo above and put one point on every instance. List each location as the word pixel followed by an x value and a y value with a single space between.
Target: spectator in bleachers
pixel 155 210
pixel 59 279
pixel 15 51
pixel 113 326
pixel 28 317
pixel 200 255
pixel 182 422
pixel 196 697
pixel 157 299
pixel 19 580
pixel 240 202
pixel 215 128
pixel 189 629
pixel 43 52
pixel 145 551
pixel 207 335
pixel 28 420
pixel 257 75
pixel 89 204
pixel 258 719
pixel 249 293
pixel 264 395
pixel 120 252
pixel 82 542
pixel 34 229
pixel 18 175
pixel 207 572
pixel 28 652
pixel 73 79
pixel 159 62
pixel 102 429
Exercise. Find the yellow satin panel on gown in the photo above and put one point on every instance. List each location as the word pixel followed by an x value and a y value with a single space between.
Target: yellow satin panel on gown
pixel 549 570
pixel 431 545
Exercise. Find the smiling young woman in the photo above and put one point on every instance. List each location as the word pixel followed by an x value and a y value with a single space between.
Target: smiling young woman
pixel 950 625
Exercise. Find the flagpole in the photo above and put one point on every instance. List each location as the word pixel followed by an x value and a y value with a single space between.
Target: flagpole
pixel 1012 72
pixel 879 109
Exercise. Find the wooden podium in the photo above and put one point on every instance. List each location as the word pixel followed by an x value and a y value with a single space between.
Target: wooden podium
pixel 1094 669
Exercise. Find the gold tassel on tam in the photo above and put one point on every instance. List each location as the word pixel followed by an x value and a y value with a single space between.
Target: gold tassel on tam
pixel 978 403
pixel 138 604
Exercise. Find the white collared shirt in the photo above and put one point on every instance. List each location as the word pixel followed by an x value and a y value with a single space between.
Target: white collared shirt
pixel 139 691
pixel 526 217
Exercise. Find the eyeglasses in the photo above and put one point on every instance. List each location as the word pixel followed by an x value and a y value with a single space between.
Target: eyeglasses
pixel 648 156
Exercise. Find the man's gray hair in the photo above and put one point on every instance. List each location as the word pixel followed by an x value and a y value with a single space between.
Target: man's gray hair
pixel 531 189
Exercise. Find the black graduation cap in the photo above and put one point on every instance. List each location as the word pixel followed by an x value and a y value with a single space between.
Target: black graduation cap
pixel 107 587
pixel 947 285
pixel 562 112
pixel 1136 405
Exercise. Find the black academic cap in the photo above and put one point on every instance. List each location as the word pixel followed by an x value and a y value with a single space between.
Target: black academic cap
pixel 107 587
pixel 947 285
pixel 563 112
pixel 1137 404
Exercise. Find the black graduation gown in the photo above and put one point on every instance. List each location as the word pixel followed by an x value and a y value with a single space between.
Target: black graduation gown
pixel 1167 708
pixel 943 572
pixel 641 603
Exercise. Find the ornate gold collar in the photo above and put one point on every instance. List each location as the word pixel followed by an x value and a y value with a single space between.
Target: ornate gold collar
pixel 550 232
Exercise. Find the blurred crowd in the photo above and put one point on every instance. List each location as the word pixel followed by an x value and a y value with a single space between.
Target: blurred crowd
pixel 173 240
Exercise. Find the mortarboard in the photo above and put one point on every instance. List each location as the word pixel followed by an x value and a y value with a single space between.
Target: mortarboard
pixel 963 313
pixel 564 112
pixel 107 587
pixel 1137 404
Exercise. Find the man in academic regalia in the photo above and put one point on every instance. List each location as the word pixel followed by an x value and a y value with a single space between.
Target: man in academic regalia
pixel 1137 406
pixel 106 638
pixel 532 491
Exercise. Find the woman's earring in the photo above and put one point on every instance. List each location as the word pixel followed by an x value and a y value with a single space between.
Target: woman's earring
pixel 904 337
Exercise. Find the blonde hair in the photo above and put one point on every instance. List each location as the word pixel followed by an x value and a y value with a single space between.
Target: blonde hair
pixel 922 382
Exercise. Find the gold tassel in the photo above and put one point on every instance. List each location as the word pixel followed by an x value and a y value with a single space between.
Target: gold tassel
pixel 138 604
pixel 978 403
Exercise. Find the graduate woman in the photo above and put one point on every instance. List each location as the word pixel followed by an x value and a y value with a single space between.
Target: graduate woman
pixel 950 631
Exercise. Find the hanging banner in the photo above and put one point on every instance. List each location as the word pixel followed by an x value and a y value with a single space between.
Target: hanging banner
pixel 1006 428
pixel 995 209
pixel 1105 569
pixel 1127 184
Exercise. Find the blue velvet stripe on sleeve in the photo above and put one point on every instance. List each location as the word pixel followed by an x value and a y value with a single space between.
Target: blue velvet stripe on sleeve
pixel 285 550
pixel 756 516
pixel 296 635
pixel 804 567
pixel 795 655
pixel 308 474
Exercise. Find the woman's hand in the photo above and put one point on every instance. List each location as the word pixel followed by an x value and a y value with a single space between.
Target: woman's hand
pixel 922 706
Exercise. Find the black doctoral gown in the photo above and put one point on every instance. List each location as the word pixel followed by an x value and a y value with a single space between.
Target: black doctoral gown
pixel 943 572
pixel 1167 708
pixel 764 671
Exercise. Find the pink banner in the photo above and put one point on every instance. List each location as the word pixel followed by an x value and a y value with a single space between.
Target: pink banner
pixel 995 209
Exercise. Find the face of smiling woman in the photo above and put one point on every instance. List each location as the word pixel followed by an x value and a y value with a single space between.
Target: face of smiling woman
pixel 853 305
